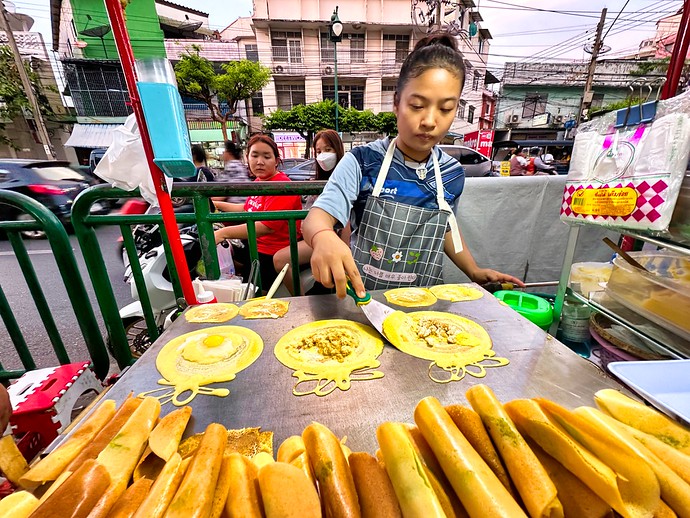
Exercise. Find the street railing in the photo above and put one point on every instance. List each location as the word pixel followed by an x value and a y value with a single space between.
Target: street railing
pixel 85 224
pixel 62 250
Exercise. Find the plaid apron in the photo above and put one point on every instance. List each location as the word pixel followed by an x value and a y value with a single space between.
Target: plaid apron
pixel 401 245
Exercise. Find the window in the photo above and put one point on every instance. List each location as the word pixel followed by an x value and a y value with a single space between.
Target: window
pixel 597 100
pixel 258 103
pixel 480 45
pixel 397 43
pixel 470 114
pixel 535 104
pixel 290 95
pixel 357 48
pixel 461 110
pixel 476 80
pixel 348 95
pixel 251 50
pixel 387 97
pixel 327 52
pixel 287 46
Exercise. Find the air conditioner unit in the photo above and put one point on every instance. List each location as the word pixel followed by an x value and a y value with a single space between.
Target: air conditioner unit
pixel 278 69
pixel 558 119
pixel 327 70
pixel 514 118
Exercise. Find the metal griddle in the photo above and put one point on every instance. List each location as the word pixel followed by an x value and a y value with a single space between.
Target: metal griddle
pixel 261 395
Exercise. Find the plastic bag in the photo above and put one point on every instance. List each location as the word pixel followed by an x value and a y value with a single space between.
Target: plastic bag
pixel 124 164
pixel 225 262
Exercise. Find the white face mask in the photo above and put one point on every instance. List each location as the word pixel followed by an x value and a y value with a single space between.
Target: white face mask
pixel 327 160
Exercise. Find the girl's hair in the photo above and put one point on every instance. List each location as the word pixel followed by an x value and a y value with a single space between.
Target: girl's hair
pixel 198 154
pixel 333 140
pixel 438 50
pixel 265 139
pixel 233 149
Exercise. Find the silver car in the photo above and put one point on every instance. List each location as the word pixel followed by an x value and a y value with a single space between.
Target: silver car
pixel 475 163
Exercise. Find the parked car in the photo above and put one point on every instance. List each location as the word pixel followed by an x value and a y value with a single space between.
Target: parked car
pixel 305 170
pixel 475 163
pixel 53 183
pixel 289 163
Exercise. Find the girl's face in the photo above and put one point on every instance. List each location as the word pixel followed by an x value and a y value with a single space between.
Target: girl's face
pixel 425 110
pixel 262 161
pixel 322 146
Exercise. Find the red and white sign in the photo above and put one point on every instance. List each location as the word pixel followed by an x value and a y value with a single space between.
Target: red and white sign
pixel 480 141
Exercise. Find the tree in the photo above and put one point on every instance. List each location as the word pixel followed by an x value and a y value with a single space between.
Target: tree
pixel 239 80
pixel 310 119
pixel 13 100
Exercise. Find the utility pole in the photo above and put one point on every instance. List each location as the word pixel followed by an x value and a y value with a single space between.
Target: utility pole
pixel 587 95
pixel 439 15
pixel 28 89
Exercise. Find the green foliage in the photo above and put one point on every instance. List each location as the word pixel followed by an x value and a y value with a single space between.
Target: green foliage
pixel 237 81
pixel 13 100
pixel 308 120
pixel 624 103
pixel 653 65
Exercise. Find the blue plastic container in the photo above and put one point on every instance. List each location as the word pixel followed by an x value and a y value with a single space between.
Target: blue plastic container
pixel 167 128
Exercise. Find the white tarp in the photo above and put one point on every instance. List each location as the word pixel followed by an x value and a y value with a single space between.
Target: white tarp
pixel 91 135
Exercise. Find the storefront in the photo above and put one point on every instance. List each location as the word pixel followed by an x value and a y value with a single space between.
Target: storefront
pixel 290 144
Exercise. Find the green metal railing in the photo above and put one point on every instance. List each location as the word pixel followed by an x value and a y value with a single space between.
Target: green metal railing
pixel 67 264
pixel 85 224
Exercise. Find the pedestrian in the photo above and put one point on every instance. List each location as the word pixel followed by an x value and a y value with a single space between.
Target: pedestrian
pixel 263 158
pixel 518 163
pixel 203 171
pixel 234 171
pixel 399 191
pixel 328 151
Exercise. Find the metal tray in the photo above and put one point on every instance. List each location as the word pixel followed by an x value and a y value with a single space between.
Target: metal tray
pixel 664 383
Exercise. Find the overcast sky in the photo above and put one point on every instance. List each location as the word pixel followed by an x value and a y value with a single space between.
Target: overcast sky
pixel 553 30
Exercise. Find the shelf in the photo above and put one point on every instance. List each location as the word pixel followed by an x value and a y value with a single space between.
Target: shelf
pixel 676 247
pixel 676 348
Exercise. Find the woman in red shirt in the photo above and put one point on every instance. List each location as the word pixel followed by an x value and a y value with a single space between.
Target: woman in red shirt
pixel 263 158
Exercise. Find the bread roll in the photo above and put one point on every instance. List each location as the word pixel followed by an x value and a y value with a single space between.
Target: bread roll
pixel 286 492
pixel 374 489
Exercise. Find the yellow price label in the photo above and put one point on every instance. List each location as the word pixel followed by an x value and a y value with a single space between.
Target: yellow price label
pixel 610 201
pixel 505 168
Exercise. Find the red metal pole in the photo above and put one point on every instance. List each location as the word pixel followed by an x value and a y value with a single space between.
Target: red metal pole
pixel 124 49
pixel 680 50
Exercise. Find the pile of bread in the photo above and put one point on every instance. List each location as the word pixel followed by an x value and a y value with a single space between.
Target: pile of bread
pixel 528 457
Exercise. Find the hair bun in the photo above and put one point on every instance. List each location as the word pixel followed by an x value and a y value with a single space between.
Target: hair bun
pixel 443 38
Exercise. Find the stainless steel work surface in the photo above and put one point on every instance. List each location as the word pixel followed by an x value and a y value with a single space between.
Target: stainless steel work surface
pixel 261 395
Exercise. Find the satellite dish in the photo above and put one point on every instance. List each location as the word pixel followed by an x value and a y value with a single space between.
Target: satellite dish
pixel 190 26
pixel 96 32
pixel 603 49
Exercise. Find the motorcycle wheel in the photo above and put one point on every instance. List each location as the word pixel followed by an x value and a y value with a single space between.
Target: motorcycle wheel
pixel 137 336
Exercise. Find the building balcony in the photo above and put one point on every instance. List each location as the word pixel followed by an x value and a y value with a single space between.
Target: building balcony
pixel 213 50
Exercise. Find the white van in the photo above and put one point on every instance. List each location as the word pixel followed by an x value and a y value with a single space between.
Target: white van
pixel 475 163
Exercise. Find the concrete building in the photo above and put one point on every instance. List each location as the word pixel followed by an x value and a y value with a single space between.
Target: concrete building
pixel 23 130
pixel 537 99
pixel 292 38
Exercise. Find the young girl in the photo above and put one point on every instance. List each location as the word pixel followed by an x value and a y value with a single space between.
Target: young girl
pixel 263 158
pixel 397 194
pixel 328 151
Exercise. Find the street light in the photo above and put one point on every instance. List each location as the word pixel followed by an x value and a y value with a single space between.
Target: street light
pixel 335 33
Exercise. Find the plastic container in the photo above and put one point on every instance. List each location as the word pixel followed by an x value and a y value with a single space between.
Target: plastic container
pixel 165 119
pixel 586 278
pixel 661 294
pixel 206 297
pixel 535 309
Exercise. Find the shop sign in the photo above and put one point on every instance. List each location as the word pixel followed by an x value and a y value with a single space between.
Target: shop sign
pixel 288 137
pixel 481 141
pixel 541 120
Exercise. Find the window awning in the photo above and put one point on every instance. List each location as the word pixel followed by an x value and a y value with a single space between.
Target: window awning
pixel 91 135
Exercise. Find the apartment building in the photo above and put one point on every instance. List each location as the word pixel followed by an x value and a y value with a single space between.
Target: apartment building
pixel 292 38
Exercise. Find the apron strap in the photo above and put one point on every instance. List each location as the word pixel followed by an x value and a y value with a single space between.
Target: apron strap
pixel 443 205
pixel 383 172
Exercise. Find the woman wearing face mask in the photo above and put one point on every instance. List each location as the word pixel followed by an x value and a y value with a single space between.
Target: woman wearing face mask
pixel 328 150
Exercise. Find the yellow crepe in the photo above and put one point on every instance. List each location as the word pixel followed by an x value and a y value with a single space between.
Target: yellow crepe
pixel 455 344
pixel 246 441
pixel 329 352
pixel 410 297
pixel 456 292
pixel 18 505
pixel 219 312
pixel 263 308
pixel 12 463
pixel 536 489
pixel 636 481
pixel 210 355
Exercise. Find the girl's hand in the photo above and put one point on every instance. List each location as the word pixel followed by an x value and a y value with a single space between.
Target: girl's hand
pixel 219 237
pixel 332 264
pixel 484 275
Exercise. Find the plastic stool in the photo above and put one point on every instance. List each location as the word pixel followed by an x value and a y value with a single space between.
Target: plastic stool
pixel 43 399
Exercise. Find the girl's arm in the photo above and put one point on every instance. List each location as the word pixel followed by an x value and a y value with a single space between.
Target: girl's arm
pixel 331 262
pixel 240 231
pixel 467 264
pixel 225 206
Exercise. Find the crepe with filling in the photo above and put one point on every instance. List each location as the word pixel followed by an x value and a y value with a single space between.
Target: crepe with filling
pixel 456 292
pixel 219 312
pixel 410 297
pixel 264 308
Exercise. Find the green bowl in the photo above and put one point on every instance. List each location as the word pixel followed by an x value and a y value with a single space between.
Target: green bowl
pixel 535 309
